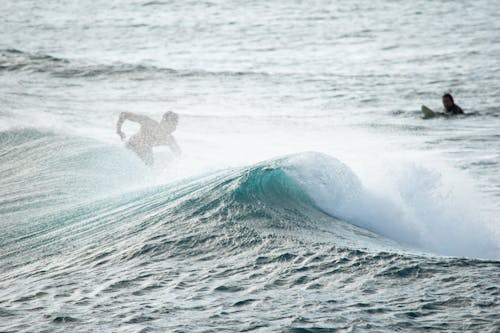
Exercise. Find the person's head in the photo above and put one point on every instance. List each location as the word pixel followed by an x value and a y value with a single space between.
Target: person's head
pixel 169 120
pixel 448 101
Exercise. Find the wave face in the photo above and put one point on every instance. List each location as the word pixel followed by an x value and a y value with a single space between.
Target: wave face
pixel 79 241
pixel 55 166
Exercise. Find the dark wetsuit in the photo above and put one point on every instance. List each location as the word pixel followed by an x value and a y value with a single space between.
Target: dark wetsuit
pixel 455 109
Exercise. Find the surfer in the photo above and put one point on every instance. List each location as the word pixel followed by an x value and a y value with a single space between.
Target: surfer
pixel 450 108
pixel 151 134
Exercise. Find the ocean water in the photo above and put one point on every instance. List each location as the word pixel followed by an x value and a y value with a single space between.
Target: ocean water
pixel 311 195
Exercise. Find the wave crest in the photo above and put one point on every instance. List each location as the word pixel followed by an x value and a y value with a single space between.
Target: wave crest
pixel 13 60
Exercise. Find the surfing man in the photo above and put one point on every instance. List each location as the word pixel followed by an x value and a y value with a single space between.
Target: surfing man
pixel 450 108
pixel 151 134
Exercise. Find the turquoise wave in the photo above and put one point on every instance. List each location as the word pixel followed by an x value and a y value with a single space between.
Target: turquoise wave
pixel 63 191
pixel 70 192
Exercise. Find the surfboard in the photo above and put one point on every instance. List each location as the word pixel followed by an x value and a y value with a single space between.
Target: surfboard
pixel 428 113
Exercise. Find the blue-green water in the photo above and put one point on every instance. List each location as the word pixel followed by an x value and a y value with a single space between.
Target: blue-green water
pixel 310 196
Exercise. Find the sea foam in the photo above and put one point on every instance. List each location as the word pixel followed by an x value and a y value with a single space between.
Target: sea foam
pixel 417 206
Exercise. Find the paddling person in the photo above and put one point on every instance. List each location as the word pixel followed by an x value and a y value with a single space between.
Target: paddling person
pixel 151 134
pixel 450 108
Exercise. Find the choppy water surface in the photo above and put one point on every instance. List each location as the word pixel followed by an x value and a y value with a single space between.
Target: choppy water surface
pixel 311 196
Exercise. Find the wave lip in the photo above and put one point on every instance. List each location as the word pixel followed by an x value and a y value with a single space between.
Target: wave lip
pixel 424 213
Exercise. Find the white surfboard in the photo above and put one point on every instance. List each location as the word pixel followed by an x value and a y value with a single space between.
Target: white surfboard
pixel 428 113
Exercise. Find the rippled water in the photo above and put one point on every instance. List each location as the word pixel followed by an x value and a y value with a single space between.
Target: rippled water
pixel 311 195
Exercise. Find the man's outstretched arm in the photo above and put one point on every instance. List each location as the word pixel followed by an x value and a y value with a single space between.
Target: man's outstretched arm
pixel 129 116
